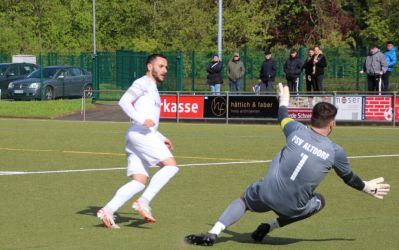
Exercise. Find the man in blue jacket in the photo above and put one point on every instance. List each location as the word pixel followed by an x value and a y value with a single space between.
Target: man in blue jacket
pixel 390 56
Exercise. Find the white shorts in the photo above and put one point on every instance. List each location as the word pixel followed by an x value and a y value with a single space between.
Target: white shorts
pixel 144 149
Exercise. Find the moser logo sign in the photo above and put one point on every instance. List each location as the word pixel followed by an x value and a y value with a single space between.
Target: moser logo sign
pixel 188 106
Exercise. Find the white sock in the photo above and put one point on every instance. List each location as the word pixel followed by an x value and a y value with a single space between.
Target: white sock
pixel 217 228
pixel 124 193
pixel 157 182
pixel 273 224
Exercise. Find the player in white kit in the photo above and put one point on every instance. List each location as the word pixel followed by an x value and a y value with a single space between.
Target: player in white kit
pixel 145 145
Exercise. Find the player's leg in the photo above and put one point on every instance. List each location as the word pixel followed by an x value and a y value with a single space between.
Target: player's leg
pixel 234 212
pixel 231 215
pixel 155 152
pixel 139 176
pixel 316 204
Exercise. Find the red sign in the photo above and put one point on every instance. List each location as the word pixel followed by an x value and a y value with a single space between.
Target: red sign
pixel 378 108
pixel 397 108
pixel 188 106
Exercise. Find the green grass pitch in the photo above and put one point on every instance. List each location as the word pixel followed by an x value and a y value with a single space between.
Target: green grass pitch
pixel 57 210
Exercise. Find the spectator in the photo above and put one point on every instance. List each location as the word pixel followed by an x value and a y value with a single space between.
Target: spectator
pixel 292 70
pixel 374 66
pixel 308 67
pixel 235 72
pixel 215 75
pixel 390 57
pixel 319 63
pixel 267 73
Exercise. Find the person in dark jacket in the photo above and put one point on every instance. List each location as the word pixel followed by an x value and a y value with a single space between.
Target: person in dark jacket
pixel 215 75
pixel 267 73
pixel 308 67
pixel 319 63
pixel 292 70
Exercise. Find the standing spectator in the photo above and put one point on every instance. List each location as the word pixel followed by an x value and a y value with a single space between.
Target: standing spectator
pixel 267 73
pixel 319 63
pixel 292 70
pixel 390 57
pixel 215 75
pixel 375 66
pixel 308 67
pixel 235 72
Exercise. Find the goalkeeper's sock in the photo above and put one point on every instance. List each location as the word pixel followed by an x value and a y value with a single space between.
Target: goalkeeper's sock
pixel 273 224
pixel 217 228
pixel 124 193
pixel 231 215
pixel 158 181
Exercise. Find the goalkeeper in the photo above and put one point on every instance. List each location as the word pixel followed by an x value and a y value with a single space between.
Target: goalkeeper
pixel 294 174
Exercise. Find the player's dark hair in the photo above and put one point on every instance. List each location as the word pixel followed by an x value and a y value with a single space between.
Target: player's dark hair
pixel 390 42
pixel 322 114
pixel 151 58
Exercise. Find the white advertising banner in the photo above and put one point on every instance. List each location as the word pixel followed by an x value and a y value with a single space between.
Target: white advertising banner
pixel 349 108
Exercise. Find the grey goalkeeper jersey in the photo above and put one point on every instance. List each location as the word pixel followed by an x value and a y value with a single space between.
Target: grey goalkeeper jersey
pixel 299 168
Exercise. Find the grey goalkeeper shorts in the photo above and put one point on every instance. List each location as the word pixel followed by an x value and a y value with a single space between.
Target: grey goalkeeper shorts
pixel 255 204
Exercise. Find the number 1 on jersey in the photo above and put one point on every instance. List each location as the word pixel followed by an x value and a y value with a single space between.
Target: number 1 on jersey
pixel 299 166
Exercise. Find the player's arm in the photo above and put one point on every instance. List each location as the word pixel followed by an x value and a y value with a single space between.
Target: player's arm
pixel 374 187
pixel 127 101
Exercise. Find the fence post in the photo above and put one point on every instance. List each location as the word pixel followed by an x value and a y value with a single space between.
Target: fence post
pixel 41 75
pixel 301 57
pixel 357 73
pixel 244 52
pixel 95 78
pixel 193 71
pixel 179 72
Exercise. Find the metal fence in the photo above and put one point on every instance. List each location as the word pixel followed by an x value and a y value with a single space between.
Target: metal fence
pixel 187 71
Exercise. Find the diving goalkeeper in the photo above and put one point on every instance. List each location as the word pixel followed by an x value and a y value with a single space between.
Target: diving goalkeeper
pixel 294 174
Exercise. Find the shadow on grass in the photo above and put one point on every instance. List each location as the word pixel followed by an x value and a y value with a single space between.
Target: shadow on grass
pixel 269 240
pixel 120 217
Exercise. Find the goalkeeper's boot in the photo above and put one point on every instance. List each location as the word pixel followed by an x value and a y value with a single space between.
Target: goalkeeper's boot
pixel 107 219
pixel 260 232
pixel 201 239
pixel 144 211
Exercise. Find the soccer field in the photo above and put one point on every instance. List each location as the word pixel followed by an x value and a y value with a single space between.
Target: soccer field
pixel 55 175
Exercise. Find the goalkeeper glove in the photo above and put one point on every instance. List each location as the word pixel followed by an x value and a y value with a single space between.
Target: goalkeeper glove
pixel 284 95
pixel 376 188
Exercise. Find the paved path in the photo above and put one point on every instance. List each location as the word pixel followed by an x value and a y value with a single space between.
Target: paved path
pixel 102 112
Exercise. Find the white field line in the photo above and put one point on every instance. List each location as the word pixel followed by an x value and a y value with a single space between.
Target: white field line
pixel 182 165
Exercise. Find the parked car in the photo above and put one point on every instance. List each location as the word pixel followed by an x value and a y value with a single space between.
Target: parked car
pixel 58 81
pixel 14 71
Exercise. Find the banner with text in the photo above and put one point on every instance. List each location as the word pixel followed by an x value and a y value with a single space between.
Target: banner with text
pixel 188 106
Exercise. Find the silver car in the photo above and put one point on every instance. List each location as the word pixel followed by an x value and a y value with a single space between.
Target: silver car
pixel 58 81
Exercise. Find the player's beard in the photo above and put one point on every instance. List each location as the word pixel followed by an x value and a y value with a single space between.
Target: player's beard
pixel 159 77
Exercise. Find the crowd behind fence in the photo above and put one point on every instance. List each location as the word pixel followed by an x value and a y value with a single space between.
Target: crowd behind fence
pixel 187 71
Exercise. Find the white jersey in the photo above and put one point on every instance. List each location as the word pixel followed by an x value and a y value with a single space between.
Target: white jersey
pixel 142 101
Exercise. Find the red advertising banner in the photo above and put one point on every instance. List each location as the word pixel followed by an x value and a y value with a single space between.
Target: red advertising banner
pixel 378 108
pixel 188 106
pixel 397 109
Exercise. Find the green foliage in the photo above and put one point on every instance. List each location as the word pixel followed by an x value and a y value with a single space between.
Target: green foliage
pixel 31 26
